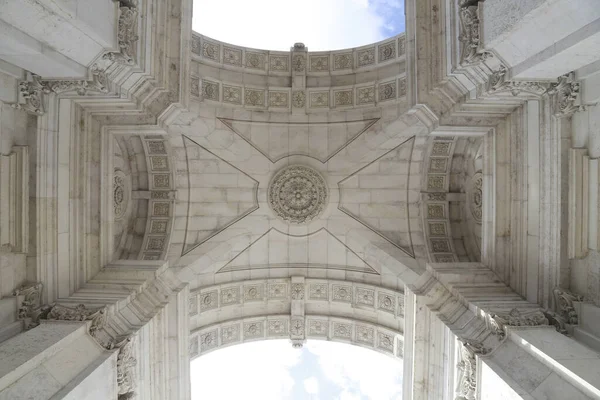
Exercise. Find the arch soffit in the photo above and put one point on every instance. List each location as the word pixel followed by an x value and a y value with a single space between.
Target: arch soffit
pixel 298 309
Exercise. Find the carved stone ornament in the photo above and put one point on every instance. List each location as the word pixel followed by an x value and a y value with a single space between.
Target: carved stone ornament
pixel 80 313
pixel 498 83
pixel 120 194
pixel 126 363
pixel 298 99
pixel 126 34
pixel 297 194
pixel 466 386
pixel 299 62
pixel 499 322
pixel 564 93
pixel 469 33
pixel 565 308
pixel 476 196
pixel 28 300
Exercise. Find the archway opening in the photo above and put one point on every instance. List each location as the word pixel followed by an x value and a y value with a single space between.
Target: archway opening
pixel 320 24
pixel 274 370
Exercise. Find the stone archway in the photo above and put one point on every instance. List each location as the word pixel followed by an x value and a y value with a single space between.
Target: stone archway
pixel 296 308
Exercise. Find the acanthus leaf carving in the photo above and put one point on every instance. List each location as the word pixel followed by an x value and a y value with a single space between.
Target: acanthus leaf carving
pixel 469 33
pixel 98 83
pixel 564 93
pixel 30 300
pixel 127 34
pixel 498 82
pixel 565 308
pixel 466 387
pixel 81 313
pixel 500 321
pixel 126 363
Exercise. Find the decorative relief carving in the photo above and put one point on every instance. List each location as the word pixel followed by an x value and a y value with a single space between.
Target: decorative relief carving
pixel 232 94
pixel 342 330
pixel 401 304
pixel 437 229
pixel 386 302
pixel 444 258
pixel 277 327
pixel 469 33
pixel 365 95
pixel 279 63
pixel 387 91
pixel 366 57
pixel 436 182
pixel 297 291
pixel 365 334
pixel 232 56
pixel 79 313
pixel 438 164
pixel 255 60
pixel 253 97
pixel 99 84
pixel 277 290
pixel 159 226
pixel 230 334
pixel 208 341
pixel 253 292
pixel 365 296
pixel 253 330
pixel 343 97
pixel 120 194
pixel 156 243
pixel 436 211
pixel 342 61
pixel 318 291
pixel 441 148
pixel 317 328
pixel 28 300
pixel 499 83
pixel 298 99
pixel 563 301
pixel 436 196
pixel 564 93
pixel 193 347
pixel 299 62
pixel 319 99
pixel 127 36
pixel 385 342
pixel 387 51
pixel 208 300
pixel 210 90
pixel 467 375
pixel 342 293
pixel 160 209
pixel 319 63
pixel 475 196
pixel 161 181
pixel 440 246
pixel 230 295
pixel 499 322
pixel 297 328
pixel 278 99
pixel 126 363
pixel 210 50
pixel 297 194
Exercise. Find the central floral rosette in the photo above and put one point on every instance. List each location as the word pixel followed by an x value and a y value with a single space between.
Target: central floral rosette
pixel 297 194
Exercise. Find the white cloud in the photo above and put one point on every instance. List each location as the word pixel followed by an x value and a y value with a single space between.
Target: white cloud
pixel 278 24
pixel 236 372
pixel 359 371
pixel 311 385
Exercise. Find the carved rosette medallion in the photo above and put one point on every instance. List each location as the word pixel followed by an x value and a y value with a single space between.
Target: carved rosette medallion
pixel 297 194
pixel 120 194
pixel 475 196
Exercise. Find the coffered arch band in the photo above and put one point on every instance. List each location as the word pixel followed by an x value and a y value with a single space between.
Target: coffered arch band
pixel 297 309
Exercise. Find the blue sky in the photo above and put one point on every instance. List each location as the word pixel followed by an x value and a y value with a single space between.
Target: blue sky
pixel 273 370
pixel 319 24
